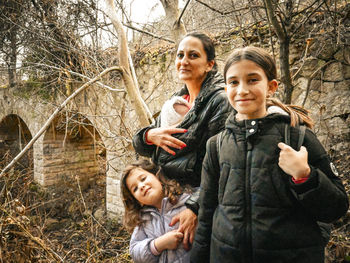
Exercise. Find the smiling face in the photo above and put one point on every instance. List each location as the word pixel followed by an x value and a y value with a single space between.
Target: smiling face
pixel 145 187
pixel 247 88
pixel 191 60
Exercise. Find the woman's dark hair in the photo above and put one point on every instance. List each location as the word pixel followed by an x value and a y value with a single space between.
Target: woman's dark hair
pixel 265 61
pixel 171 189
pixel 208 45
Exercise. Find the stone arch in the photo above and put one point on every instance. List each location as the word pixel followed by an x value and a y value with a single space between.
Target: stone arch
pixel 14 136
pixel 72 147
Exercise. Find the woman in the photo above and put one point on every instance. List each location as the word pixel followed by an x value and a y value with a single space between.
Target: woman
pixel 180 151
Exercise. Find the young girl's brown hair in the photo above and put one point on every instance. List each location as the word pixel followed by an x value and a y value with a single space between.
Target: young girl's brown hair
pixel 171 189
pixel 263 59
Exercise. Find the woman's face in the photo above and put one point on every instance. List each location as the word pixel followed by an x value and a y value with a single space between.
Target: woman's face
pixel 247 88
pixel 145 187
pixel 191 60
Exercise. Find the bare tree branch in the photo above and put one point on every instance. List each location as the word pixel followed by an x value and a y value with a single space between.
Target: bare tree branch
pixel 148 33
pixel 182 12
pixel 308 7
pixel 81 76
pixel 228 12
pixel 313 11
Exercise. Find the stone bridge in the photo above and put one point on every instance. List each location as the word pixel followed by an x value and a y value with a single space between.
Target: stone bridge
pixel 92 135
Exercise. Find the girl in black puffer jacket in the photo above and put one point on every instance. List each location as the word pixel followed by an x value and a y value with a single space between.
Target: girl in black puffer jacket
pixel 260 199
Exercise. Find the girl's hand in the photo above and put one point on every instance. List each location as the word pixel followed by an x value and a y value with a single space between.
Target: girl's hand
pixel 188 222
pixel 170 240
pixel 162 138
pixel 292 162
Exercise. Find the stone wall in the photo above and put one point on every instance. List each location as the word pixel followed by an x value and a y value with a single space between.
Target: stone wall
pixel 71 152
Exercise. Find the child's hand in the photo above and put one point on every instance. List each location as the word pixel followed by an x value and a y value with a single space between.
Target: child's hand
pixel 292 162
pixel 188 222
pixel 170 240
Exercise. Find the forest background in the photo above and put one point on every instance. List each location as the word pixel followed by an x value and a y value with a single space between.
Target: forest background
pixel 48 49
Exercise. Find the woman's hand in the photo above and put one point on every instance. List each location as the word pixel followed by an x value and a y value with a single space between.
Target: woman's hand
pixel 162 138
pixel 188 222
pixel 170 240
pixel 294 162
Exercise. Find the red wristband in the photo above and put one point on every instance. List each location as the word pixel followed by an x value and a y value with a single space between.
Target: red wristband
pixel 300 181
pixel 187 97
pixel 146 141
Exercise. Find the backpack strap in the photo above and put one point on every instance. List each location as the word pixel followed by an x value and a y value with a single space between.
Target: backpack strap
pixel 287 133
pixel 302 129
pixel 301 135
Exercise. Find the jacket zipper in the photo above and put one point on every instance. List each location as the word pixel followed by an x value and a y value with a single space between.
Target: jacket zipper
pixel 248 216
pixel 163 226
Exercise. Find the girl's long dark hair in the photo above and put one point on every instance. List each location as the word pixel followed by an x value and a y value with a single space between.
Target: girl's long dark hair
pixel 263 59
pixel 132 207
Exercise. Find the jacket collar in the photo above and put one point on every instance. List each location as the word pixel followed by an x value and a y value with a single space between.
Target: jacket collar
pixel 250 127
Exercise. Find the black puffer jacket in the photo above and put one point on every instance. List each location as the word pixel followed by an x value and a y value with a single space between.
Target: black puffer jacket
pixel 251 211
pixel 206 118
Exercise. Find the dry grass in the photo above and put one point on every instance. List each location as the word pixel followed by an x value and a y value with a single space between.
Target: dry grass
pixel 56 225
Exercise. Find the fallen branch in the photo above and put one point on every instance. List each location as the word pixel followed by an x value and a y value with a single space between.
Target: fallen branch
pixel 53 115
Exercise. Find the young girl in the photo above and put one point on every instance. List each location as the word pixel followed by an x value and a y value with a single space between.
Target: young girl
pixel 260 199
pixel 150 203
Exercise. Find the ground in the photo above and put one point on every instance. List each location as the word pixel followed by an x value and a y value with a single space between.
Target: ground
pixel 68 224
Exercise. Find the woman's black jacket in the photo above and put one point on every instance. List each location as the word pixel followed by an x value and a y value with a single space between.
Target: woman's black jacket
pixel 206 118
pixel 251 211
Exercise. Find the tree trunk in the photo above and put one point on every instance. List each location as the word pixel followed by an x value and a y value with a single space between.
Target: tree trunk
pixel 283 38
pixel 285 70
pixel 177 28
pixel 12 59
pixel 134 94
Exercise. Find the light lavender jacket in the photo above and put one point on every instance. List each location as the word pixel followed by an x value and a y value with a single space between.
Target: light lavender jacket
pixel 157 224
